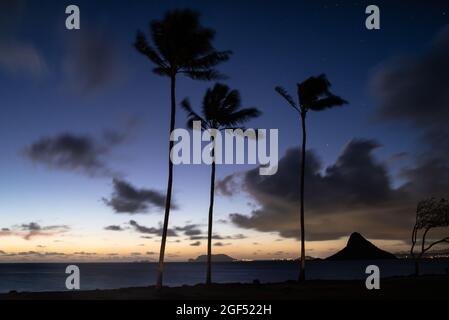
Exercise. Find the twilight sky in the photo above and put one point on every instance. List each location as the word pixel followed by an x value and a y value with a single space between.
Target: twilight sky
pixel 84 125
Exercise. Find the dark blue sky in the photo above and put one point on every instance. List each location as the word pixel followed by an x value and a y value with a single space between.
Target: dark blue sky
pixel 83 82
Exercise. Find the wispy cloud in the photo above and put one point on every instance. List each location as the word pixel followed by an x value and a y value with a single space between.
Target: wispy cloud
pixel 21 59
pixel 190 229
pixel 18 56
pixel 151 230
pixel 79 153
pixel 126 198
pixel 92 62
pixel 114 228
pixel 31 230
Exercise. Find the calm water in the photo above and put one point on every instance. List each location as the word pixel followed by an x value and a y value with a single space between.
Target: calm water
pixel 51 276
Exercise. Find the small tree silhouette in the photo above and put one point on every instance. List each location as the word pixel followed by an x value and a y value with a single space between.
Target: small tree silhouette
pixel 430 213
pixel 221 110
pixel 313 94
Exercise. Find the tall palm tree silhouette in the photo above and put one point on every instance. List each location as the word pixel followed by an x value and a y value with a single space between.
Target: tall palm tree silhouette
pixel 181 46
pixel 313 94
pixel 221 110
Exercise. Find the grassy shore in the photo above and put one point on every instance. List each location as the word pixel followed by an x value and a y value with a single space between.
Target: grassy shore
pixel 425 287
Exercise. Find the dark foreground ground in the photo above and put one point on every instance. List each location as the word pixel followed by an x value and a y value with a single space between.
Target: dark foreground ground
pixel 425 287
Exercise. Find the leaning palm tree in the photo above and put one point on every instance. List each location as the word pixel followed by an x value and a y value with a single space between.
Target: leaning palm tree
pixel 221 110
pixel 313 94
pixel 181 46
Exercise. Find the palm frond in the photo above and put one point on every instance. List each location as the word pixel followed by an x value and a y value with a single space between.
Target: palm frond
pixel 239 117
pixel 144 48
pixel 232 101
pixel 312 88
pixel 206 75
pixel 180 44
pixel 220 109
pixel 192 115
pixel 213 101
pixel 210 60
pixel 326 103
pixel 283 93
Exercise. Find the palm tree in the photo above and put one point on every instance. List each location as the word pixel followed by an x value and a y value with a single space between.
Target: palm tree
pixel 313 94
pixel 181 46
pixel 220 111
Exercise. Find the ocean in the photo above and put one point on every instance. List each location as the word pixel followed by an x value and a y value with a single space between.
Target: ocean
pixel 51 276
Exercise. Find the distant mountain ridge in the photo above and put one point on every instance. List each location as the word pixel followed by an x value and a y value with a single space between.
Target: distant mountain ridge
pixel 215 258
pixel 358 248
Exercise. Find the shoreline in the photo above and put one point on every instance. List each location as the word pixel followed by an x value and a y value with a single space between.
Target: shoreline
pixel 394 288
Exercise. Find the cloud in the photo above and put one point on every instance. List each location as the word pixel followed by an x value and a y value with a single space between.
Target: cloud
pixel 128 199
pixel 190 230
pixel 151 230
pixel 17 56
pixel 21 58
pixel 113 228
pixel 221 244
pixel 92 62
pixel 32 226
pixel 227 186
pixel 5 232
pixel 33 230
pixel 353 194
pixel 84 253
pixel 28 231
pixel 219 237
pixel 428 178
pixel 195 244
pixel 34 254
pixel 414 91
pixel 73 152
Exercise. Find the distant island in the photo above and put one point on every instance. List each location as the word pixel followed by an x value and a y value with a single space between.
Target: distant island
pixel 215 258
pixel 358 248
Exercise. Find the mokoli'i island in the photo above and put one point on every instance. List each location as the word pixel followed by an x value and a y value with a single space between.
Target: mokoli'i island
pixel 221 149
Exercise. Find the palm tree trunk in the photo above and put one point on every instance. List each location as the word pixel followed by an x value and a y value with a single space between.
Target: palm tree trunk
pixel 169 186
pixel 302 271
pixel 211 213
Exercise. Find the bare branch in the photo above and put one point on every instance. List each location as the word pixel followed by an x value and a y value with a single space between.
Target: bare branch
pixel 437 242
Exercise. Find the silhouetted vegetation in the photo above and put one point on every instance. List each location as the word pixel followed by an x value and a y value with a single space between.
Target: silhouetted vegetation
pixel 313 94
pixel 430 214
pixel 220 110
pixel 181 45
